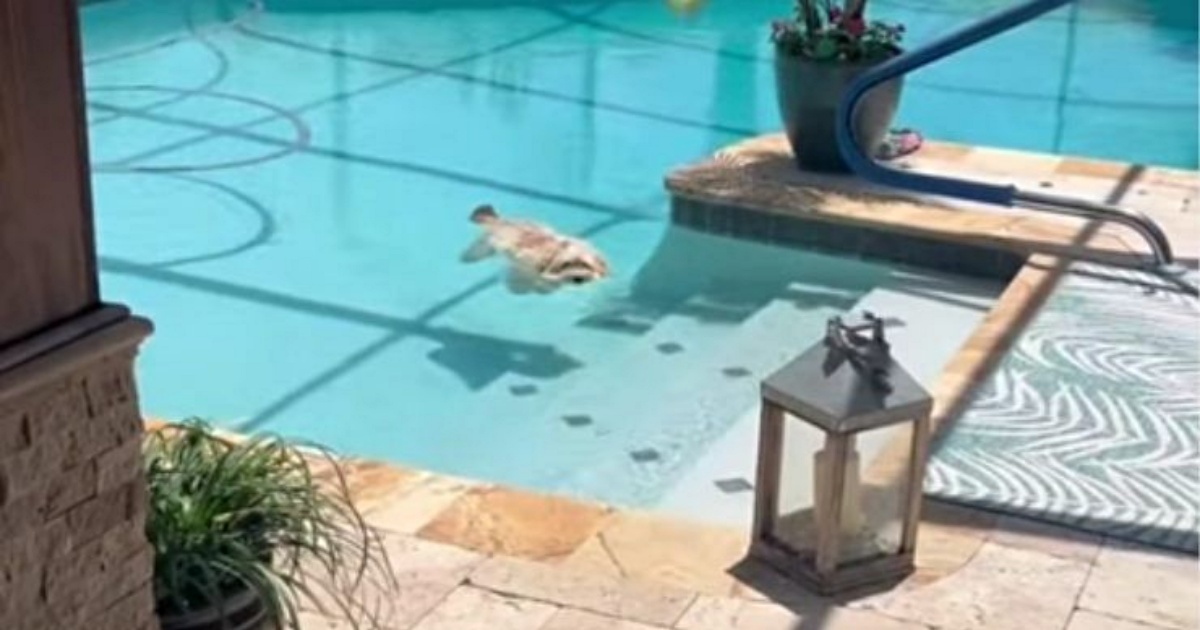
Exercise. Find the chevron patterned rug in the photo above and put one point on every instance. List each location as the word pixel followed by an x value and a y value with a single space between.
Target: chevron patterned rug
pixel 1093 418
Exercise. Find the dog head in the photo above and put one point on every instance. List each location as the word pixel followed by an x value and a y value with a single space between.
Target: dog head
pixel 577 264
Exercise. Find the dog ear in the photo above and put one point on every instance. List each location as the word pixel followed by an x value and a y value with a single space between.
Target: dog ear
pixel 483 214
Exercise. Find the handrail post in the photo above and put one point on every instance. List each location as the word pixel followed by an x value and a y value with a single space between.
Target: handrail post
pixel 904 63
pixel 995 24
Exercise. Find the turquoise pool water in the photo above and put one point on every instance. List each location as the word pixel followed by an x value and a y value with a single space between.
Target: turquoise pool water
pixel 285 191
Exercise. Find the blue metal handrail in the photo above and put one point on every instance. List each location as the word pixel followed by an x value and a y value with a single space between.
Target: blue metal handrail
pixel 1010 196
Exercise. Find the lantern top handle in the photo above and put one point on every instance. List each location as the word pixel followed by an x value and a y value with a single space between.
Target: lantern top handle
pixel 870 354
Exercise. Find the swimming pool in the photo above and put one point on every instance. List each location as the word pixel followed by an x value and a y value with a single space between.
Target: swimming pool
pixel 285 192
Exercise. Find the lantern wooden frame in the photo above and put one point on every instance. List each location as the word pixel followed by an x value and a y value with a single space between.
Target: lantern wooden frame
pixel 841 403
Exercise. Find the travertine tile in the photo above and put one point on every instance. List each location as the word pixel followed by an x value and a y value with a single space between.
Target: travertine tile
pixel 1087 620
pixel 722 613
pixel 991 160
pixel 425 572
pixel 943 152
pixel 622 598
pixel 1091 189
pixel 1172 178
pixel 949 536
pixel 370 483
pixel 313 621
pixel 1046 538
pixel 676 553
pixel 574 619
pixel 759 581
pixel 1001 588
pixel 470 608
pixel 1092 168
pixel 153 424
pixel 593 557
pixel 421 561
pixel 1144 585
pixel 414 507
pixel 515 523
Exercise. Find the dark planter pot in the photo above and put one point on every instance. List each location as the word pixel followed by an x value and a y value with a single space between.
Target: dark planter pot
pixel 809 93
pixel 243 610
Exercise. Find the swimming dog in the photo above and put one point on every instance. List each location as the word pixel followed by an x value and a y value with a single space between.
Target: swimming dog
pixel 541 260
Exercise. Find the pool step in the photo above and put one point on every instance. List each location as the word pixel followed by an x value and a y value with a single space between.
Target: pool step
pixel 664 400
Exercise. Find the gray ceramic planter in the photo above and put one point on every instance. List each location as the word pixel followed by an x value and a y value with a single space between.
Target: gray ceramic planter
pixel 242 610
pixel 809 93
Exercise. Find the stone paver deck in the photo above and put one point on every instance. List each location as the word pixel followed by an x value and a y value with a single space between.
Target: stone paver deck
pixel 483 562
pixel 471 555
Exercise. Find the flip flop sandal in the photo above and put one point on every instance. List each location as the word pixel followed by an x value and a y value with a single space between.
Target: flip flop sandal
pixel 899 143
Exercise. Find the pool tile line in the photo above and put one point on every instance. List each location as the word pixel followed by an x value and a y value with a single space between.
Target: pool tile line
pixel 374 87
pixel 362 355
pixel 252 11
pixel 399 328
pixel 198 36
pixel 388 163
pixel 219 75
pixel 301 133
pixel 496 84
pixel 267 226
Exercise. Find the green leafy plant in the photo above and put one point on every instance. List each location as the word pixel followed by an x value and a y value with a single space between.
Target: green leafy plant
pixel 824 30
pixel 230 515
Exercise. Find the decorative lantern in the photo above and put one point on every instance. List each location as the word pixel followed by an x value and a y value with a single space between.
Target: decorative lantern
pixel 838 496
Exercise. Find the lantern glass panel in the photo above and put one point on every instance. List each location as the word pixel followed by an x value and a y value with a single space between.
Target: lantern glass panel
pixel 795 521
pixel 875 495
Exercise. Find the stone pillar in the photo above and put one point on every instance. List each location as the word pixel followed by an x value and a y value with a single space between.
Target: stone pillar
pixel 73 550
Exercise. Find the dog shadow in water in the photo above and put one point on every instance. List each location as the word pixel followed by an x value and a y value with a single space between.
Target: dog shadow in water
pixel 725 280
pixel 479 360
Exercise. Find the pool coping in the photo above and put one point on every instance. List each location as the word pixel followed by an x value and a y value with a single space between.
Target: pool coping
pixel 590 537
pixel 756 180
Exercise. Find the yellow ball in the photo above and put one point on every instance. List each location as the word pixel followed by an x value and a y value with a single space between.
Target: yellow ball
pixel 685 6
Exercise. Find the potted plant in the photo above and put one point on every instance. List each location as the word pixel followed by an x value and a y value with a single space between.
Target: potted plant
pixel 243 532
pixel 818 53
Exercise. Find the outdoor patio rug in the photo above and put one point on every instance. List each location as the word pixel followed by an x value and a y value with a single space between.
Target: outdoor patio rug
pixel 1092 418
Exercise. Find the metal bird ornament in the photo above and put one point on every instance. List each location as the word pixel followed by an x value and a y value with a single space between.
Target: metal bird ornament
pixel 868 353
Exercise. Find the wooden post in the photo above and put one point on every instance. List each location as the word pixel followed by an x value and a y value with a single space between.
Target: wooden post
pixel 47 254
pixel 917 461
pixel 766 485
pixel 67 384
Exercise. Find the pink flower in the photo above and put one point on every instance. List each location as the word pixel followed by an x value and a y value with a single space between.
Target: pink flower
pixel 855 26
